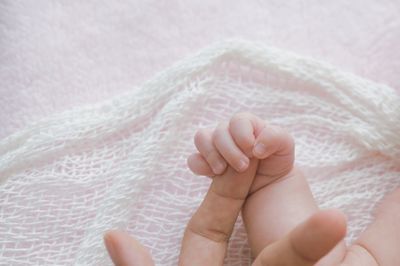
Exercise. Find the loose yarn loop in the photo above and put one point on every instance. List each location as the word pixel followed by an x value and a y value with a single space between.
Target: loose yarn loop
pixel 121 164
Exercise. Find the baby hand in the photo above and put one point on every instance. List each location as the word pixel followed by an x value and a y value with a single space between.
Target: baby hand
pixel 235 142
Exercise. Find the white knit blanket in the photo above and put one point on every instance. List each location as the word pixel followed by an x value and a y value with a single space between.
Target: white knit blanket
pixel 121 164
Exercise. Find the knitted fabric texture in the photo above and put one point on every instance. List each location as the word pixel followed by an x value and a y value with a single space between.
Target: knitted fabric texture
pixel 122 164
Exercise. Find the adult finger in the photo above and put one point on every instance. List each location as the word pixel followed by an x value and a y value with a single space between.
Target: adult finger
pixel 125 250
pixel 307 243
pixel 208 231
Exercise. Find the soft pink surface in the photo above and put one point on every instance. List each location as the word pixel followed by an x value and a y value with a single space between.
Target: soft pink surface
pixel 57 55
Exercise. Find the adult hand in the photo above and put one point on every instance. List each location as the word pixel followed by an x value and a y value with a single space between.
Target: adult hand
pixel 208 231
pixel 305 245
pixel 206 236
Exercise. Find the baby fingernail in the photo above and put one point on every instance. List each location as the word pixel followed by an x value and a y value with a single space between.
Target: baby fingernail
pixel 260 149
pixel 243 165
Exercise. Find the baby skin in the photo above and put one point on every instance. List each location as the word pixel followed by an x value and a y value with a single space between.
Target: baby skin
pixel 279 197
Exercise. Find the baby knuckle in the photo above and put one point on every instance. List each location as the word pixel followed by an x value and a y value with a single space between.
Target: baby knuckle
pixel 244 141
pixel 201 137
pixel 240 116
pixel 219 132
pixel 286 136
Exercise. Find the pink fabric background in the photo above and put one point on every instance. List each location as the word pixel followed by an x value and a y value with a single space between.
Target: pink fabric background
pixel 55 55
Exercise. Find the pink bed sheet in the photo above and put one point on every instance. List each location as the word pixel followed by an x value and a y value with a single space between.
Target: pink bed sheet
pixel 55 55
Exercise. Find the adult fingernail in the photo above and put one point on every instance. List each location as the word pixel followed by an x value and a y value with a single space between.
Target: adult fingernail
pixel 260 149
